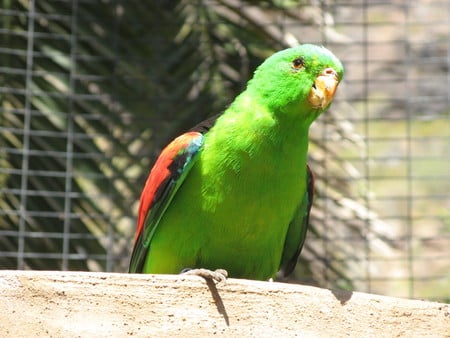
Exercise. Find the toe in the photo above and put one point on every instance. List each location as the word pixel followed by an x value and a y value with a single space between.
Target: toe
pixel 219 275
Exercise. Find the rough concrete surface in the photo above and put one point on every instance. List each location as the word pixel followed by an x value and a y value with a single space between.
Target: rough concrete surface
pixel 82 304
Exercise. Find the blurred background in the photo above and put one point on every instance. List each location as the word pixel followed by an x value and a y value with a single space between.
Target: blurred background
pixel 91 90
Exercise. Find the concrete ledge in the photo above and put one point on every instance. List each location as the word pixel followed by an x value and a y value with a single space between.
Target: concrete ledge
pixel 82 304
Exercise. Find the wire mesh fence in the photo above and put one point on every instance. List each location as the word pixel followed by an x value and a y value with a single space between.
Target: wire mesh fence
pixel 91 91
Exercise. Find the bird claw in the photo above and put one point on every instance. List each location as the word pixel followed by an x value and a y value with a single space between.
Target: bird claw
pixel 218 275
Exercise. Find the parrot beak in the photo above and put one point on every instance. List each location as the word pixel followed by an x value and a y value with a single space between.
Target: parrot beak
pixel 323 89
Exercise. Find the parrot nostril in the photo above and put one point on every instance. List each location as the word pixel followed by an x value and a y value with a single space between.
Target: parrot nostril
pixel 329 71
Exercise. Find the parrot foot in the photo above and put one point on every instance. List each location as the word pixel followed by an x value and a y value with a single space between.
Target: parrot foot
pixel 219 275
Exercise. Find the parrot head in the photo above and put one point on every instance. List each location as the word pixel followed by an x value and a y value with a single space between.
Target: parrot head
pixel 298 80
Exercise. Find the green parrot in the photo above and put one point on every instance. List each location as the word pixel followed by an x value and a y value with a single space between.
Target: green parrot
pixel 235 192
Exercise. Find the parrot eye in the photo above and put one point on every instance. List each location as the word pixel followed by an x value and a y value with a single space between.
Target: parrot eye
pixel 298 63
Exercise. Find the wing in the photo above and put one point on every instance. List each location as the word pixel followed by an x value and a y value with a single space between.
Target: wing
pixel 296 235
pixel 166 176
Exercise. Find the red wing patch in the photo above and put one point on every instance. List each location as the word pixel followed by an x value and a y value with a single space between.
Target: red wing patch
pixel 167 166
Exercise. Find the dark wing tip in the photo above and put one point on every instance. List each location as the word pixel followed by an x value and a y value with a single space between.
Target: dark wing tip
pixel 298 229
